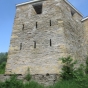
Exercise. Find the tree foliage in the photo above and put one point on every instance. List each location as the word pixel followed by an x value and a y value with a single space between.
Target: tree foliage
pixel 3 57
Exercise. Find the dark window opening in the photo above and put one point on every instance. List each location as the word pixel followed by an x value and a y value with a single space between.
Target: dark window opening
pixel 36 24
pixel 20 46
pixel 50 22
pixel 72 13
pixel 38 7
pixel 34 44
pixel 50 42
pixel 23 27
pixel 47 74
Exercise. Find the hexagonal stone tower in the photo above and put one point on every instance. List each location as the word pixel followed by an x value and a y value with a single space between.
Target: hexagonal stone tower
pixel 43 32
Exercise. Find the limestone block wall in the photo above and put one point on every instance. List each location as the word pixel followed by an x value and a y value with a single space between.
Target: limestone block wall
pixel 44 58
pixel 74 34
pixel 85 23
pixel 46 80
pixel 39 40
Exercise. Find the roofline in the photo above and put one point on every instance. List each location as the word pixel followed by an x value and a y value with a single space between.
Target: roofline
pixel 44 0
pixel 84 19
pixel 73 7
pixel 28 2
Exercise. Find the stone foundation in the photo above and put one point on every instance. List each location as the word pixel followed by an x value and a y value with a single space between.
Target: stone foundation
pixel 48 79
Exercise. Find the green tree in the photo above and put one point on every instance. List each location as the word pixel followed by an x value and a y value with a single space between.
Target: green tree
pixel 3 59
pixel 68 68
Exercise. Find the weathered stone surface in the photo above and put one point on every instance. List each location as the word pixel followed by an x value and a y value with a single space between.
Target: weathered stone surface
pixel 48 79
pixel 66 33
pixel 85 23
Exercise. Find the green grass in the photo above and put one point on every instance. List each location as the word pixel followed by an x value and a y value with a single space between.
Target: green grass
pixel 74 83
pixel 66 84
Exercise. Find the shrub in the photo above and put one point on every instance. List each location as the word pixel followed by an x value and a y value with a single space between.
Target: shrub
pixel 86 70
pixel 70 72
pixel 3 58
pixel 28 76
pixel 68 68
pixel 13 82
pixel 79 73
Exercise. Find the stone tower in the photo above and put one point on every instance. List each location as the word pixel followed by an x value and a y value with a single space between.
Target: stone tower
pixel 85 24
pixel 43 32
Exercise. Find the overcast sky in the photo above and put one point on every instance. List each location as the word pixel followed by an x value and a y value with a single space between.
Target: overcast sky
pixel 7 13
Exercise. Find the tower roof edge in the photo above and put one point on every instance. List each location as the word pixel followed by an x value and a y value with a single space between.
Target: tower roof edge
pixel 73 7
pixel 29 2
pixel 86 18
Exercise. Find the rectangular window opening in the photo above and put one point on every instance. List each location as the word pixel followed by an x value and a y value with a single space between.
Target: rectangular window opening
pixel 20 46
pixel 50 22
pixel 34 44
pixel 50 42
pixel 72 12
pixel 38 7
pixel 23 27
pixel 36 24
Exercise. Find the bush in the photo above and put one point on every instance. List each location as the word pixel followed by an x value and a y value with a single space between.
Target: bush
pixel 86 70
pixel 3 59
pixel 79 73
pixel 68 68
pixel 28 76
pixel 12 83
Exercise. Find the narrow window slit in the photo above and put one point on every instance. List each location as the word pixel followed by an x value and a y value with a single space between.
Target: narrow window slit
pixel 34 44
pixel 47 74
pixel 50 22
pixel 36 24
pixel 20 46
pixel 23 27
pixel 50 42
